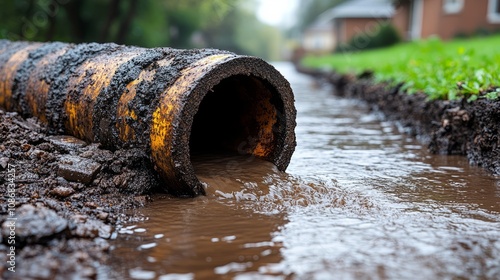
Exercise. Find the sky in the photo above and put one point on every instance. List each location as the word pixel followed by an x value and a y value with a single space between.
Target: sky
pixel 277 12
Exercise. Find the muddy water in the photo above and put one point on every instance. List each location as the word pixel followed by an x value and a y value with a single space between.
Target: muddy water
pixel 360 200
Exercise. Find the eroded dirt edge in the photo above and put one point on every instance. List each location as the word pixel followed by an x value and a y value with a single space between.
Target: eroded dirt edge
pixel 62 200
pixel 448 127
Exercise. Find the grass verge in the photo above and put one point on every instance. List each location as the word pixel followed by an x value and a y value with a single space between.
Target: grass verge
pixel 451 70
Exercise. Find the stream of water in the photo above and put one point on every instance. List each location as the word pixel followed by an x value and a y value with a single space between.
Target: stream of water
pixel 360 200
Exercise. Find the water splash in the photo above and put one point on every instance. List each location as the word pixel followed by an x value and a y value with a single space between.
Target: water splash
pixel 268 190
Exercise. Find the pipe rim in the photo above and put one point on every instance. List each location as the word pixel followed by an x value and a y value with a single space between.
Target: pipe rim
pixel 229 67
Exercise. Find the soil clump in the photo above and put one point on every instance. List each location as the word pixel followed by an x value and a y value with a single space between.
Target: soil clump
pixel 70 196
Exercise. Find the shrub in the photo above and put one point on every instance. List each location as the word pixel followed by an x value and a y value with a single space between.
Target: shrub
pixel 461 35
pixel 482 31
pixel 387 35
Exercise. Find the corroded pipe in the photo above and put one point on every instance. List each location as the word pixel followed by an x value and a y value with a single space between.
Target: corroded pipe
pixel 173 103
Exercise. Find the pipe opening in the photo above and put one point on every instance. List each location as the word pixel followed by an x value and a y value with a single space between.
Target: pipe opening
pixel 241 115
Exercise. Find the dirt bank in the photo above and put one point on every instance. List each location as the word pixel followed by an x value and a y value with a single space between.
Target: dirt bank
pixel 69 197
pixel 448 127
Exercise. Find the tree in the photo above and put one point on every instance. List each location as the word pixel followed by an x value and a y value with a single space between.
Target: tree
pixel 141 22
pixel 241 32
pixel 225 24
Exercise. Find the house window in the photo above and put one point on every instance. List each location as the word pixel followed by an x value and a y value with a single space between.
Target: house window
pixel 494 11
pixel 453 6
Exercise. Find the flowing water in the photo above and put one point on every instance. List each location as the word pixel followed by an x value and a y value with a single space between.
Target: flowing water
pixel 360 200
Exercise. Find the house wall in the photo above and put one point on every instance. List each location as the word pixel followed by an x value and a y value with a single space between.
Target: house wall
pixel 401 20
pixel 432 11
pixel 435 21
pixel 472 17
pixel 352 26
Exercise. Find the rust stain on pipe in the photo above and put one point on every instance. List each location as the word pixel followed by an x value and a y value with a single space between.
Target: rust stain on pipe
pixel 175 104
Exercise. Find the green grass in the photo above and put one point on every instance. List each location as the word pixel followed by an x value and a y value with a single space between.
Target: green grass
pixel 467 68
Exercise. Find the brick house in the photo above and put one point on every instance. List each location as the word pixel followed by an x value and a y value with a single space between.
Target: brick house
pixel 359 16
pixel 414 19
pixel 339 24
pixel 417 19
pixel 319 38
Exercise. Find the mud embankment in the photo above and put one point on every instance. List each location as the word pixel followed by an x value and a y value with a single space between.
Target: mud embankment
pixel 69 197
pixel 448 127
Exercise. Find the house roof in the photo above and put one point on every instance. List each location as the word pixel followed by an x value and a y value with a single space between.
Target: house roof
pixel 358 9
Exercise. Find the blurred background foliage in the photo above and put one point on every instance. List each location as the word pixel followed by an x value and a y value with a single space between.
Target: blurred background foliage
pixel 311 9
pixel 225 24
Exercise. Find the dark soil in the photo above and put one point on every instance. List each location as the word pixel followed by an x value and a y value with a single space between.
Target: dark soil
pixel 69 198
pixel 448 127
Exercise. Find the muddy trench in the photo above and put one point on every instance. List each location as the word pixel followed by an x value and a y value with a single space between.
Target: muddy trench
pixel 447 127
pixel 90 211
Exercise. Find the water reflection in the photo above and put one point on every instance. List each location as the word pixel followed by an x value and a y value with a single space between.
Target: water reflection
pixel 359 200
pixel 201 236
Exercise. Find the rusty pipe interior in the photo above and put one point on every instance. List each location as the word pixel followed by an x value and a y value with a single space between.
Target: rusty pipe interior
pixel 231 117
pixel 175 104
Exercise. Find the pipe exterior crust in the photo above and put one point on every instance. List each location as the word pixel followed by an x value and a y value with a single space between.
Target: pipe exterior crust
pixel 123 96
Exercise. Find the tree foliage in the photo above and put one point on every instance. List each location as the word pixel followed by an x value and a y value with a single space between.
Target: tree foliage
pixel 311 9
pixel 143 22
pixel 241 32
pixel 224 24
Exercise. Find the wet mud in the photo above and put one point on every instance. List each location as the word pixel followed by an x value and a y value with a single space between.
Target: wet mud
pixel 446 127
pixel 69 196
